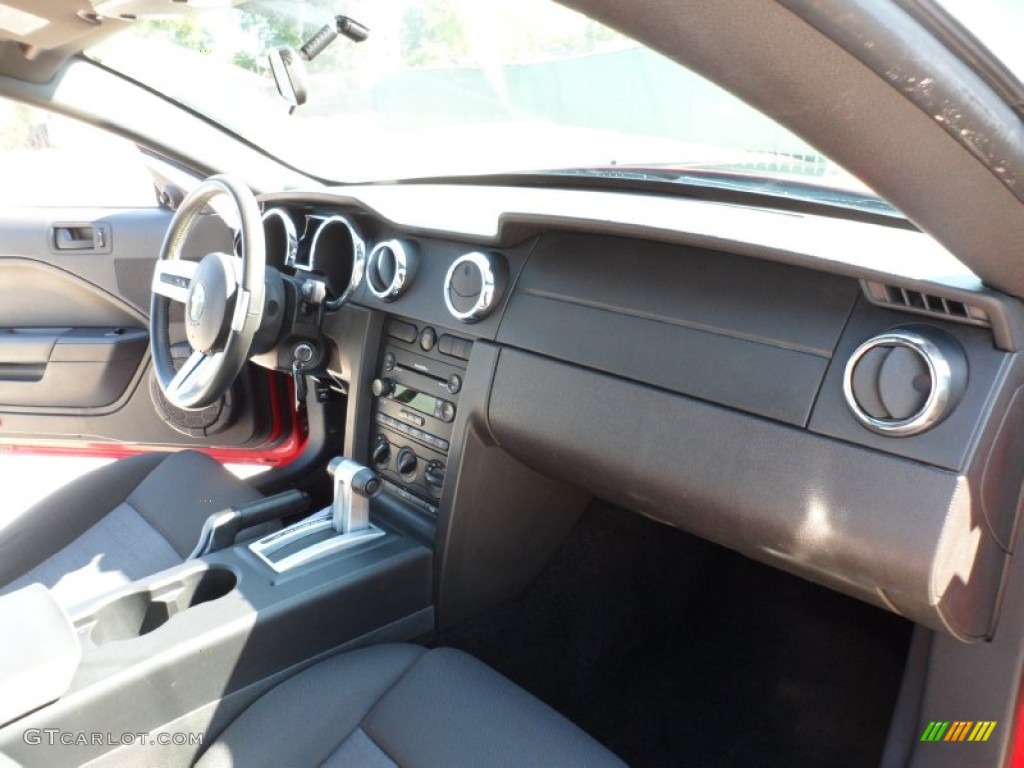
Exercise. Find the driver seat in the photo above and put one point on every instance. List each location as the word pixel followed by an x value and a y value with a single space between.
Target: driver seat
pixel 125 521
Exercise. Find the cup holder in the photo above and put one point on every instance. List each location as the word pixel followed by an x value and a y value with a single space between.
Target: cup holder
pixel 139 613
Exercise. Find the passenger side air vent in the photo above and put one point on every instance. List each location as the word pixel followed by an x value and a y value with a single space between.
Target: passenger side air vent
pixel 922 303
pixel 906 380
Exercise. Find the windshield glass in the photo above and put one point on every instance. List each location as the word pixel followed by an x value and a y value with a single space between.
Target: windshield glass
pixel 997 24
pixel 462 87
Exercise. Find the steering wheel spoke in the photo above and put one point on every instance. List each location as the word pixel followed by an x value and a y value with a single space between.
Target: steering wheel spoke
pixel 172 278
pixel 193 377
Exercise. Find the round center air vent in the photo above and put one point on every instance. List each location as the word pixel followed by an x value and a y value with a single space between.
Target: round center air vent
pixel 339 254
pixel 473 285
pixel 906 380
pixel 390 268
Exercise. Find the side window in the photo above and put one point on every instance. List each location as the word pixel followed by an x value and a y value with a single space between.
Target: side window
pixel 49 160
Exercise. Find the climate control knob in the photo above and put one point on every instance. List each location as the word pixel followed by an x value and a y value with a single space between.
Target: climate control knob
pixel 434 474
pixel 407 463
pixel 382 387
pixel 381 453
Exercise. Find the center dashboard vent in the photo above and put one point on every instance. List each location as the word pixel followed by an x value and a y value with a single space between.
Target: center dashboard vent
pixel 390 269
pixel 922 303
pixel 474 285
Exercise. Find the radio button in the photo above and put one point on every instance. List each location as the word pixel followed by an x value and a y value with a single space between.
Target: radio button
pixel 455 347
pixel 402 331
pixel 445 410
pixel 389 361
pixel 447 345
pixel 415 418
pixel 382 387
pixel 454 383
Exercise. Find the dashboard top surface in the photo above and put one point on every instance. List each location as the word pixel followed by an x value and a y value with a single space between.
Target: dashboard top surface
pixel 508 215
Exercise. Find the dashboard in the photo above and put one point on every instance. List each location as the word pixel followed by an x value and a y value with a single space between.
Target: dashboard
pixel 837 398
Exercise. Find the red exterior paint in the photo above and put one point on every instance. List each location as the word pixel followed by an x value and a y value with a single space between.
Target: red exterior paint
pixel 1017 754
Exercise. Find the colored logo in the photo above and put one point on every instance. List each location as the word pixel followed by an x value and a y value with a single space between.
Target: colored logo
pixel 958 730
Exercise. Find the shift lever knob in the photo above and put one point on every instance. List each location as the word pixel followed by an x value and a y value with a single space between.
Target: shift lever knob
pixel 354 486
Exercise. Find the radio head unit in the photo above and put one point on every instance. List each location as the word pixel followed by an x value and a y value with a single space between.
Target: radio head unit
pixel 416 394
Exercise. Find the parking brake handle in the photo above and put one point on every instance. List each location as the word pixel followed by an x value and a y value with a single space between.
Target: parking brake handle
pixel 221 528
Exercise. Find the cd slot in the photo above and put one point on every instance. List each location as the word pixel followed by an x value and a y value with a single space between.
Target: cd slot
pixel 424 375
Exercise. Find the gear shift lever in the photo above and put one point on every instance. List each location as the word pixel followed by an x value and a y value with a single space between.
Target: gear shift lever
pixel 343 525
pixel 354 486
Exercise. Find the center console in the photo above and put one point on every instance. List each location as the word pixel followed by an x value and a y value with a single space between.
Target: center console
pixel 193 645
pixel 419 377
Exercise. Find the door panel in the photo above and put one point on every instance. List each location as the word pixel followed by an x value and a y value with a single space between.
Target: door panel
pixel 36 294
pixel 70 367
pixel 74 345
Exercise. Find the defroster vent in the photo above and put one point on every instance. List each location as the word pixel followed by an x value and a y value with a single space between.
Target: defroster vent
pixel 922 303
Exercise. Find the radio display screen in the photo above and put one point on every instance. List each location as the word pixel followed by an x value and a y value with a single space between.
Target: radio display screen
pixel 416 400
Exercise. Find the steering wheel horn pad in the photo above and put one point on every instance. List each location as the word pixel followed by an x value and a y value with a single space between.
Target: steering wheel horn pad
pixel 210 303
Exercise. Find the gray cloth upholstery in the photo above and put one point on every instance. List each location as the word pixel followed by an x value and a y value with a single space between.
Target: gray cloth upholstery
pixel 401 705
pixel 119 549
pixel 119 523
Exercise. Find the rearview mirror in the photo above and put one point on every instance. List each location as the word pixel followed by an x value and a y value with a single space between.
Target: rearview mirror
pixel 289 74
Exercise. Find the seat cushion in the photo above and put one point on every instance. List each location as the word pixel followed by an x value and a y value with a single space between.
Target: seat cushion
pixel 117 550
pixel 401 705
pixel 117 524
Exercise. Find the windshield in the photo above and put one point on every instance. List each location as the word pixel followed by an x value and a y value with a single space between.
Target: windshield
pixel 997 24
pixel 461 87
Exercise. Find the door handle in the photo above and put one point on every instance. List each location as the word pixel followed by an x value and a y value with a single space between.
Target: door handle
pixel 80 237
pixel 74 238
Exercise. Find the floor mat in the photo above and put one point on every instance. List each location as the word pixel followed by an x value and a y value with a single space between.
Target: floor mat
pixel 673 651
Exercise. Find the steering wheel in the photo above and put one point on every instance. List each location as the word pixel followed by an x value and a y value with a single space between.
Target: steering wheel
pixel 223 297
